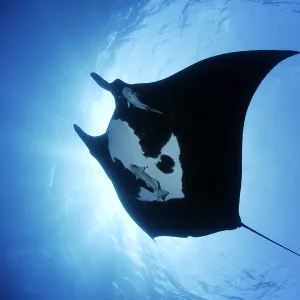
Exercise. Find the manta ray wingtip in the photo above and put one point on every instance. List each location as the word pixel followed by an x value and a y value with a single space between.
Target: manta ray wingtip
pixel 289 53
pixel 293 52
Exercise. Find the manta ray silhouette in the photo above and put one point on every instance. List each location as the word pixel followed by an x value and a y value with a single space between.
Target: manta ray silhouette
pixel 203 108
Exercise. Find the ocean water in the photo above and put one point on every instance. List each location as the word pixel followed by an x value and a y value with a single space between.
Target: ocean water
pixel 64 233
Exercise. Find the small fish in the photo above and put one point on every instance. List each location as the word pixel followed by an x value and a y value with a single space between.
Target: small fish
pixel 139 172
pixel 133 98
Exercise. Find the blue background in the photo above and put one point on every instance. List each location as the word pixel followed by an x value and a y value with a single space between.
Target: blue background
pixel 64 234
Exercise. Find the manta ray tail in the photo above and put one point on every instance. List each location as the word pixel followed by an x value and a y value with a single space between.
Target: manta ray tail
pixel 263 236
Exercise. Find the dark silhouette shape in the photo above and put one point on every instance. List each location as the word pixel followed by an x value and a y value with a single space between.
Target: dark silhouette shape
pixel 204 106
pixel 166 164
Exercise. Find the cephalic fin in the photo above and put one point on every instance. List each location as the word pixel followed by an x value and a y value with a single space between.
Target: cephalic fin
pixel 87 139
pixel 100 81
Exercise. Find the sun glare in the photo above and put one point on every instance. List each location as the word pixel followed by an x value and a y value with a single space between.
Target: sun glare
pixel 106 206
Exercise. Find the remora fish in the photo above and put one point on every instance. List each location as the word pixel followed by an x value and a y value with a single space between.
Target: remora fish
pixel 132 97
pixel 139 172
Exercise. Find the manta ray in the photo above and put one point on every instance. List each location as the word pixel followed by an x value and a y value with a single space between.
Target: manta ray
pixel 202 109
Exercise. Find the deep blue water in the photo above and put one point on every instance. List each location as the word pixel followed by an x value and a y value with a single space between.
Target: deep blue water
pixel 64 234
